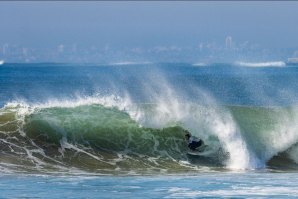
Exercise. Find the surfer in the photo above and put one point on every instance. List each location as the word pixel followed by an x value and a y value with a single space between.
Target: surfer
pixel 193 142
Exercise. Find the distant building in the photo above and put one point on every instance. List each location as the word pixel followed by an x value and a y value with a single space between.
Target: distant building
pixel 229 42
pixel 60 48
pixel 25 52
pixel 201 46
pixel 294 59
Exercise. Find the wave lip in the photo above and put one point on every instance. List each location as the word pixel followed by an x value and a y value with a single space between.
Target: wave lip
pixel 262 64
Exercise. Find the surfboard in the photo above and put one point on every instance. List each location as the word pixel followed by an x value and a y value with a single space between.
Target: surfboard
pixel 201 151
pixel 196 153
pixel 202 154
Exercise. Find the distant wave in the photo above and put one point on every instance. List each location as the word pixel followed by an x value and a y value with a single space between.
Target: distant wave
pixel 262 64
pixel 199 64
pixel 1 62
pixel 129 63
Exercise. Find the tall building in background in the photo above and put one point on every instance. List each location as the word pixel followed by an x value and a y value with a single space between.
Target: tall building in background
pixel 229 42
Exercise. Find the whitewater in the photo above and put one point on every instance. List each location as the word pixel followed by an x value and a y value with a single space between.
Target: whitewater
pixel 66 121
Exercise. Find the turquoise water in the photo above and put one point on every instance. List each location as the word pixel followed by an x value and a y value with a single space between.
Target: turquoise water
pixel 111 131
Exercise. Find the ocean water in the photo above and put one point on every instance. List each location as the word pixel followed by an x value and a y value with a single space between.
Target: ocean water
pixel 116 130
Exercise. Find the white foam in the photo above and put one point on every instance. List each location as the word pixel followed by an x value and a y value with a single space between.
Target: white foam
pixel 23 107
pixel 66 145
pixel 107 101
pixel 262 64
pixel 2 62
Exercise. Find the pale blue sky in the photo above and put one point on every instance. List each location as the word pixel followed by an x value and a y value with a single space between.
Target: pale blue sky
pixel 147 24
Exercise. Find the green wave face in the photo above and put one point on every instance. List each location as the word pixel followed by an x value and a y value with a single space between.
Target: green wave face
pixel 268 131
pixel 100 139
pixel 92 138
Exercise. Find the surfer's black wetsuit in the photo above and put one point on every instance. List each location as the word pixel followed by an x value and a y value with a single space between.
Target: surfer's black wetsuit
pixel 194 143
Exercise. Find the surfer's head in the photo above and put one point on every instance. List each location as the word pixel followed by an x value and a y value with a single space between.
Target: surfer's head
pixel 187 134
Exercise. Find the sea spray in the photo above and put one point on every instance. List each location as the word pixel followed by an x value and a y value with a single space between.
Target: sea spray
pixel 234 143
pixel 171 110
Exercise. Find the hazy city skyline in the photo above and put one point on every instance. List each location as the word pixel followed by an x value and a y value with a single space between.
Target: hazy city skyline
pixel 226 51
pixel 134 28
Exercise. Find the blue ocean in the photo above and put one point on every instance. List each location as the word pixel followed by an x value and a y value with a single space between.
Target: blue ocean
pixel 117 130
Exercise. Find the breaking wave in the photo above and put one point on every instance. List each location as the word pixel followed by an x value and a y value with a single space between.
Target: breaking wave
pixel 262 64
pixel 200 64
pixel 129 63
pixel 112 134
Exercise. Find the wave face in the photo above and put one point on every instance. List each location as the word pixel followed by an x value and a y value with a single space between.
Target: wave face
pixel 89 137
pixel 110 139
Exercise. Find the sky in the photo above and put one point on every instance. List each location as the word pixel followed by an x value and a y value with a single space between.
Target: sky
pixel 149 23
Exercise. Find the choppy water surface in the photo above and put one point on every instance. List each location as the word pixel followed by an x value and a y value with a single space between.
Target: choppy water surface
pixel 214 185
